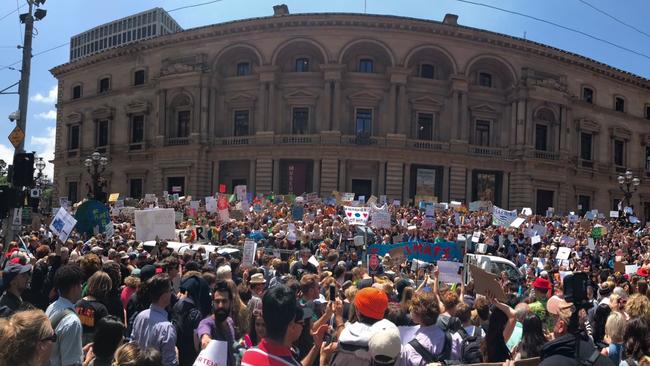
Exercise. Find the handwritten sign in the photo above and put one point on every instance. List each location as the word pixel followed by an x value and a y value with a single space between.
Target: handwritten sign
pixel 428 252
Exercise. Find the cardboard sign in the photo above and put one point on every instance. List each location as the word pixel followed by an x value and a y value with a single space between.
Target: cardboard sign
pixel 380 219
pixel 150 224
pixel 214 354
pixel 563 253
pixel 113 197
pixel 357 215
pixel 535 239
pixel 248 258
pixel 450 272
pixel 613 214
pixel 62 224
pixel 517 222
pixel 486 283
pixel 347 197
pixel 619 267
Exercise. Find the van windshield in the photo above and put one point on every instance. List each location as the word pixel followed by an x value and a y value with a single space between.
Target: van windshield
pixel 513 273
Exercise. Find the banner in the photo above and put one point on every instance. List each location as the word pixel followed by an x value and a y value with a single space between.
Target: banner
pixel 357 215
pixel 501 217
pixel 427 252
pixel 150 224
pixel 62 224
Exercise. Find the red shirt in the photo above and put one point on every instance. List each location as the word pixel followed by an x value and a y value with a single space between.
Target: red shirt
pixel 269 354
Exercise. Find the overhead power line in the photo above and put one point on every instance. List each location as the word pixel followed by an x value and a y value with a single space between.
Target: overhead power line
pixel 615 18
pixel 34 55
pixel 559 26
pixel 13 11
pixel 195 5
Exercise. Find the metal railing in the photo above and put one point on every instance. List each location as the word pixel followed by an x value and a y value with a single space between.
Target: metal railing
pixel 296 139
pixel 486 151
pixel 176 141
pixel 234 141
pixel 428 145
pixel 546 155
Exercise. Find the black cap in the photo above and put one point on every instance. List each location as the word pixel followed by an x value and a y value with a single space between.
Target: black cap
pixel 146 272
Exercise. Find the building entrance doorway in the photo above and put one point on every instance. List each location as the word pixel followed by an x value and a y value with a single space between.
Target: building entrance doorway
pixel 362 187
pixel 544 201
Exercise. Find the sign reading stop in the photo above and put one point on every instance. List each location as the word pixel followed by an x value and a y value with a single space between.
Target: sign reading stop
pixel 373 264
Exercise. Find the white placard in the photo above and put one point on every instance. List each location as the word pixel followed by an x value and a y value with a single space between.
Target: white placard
pixel 591 244
pixel 211 204
pixel 380 219
pixel 160 222
pixel 396 203
pixel 214 354
pixel 517 222
pixel 357 215
pixel 563 253
pixel 362 199
pixel 481 248
pixel 631 269
pixel 17 217
pixel 613 214
pixel 527 211
pixel 109 230
pixel 62 224
pixel 476 237
pixel 382 199
pixel 314 261
pixel 449 272
pixel 194 205
pixel 535 239
pixel 248 258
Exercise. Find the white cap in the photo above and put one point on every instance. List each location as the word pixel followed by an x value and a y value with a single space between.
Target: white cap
pixel 385 344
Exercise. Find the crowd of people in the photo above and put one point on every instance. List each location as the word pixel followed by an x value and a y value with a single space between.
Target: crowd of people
pixel 309 299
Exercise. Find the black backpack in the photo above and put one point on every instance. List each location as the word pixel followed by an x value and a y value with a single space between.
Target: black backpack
pixel 470 349
pixel 427 356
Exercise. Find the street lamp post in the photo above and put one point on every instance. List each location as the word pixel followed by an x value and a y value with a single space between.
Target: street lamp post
pixel 628 184
pixel 96 165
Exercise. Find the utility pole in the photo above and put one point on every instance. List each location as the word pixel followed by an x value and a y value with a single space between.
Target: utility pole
pixel 23 89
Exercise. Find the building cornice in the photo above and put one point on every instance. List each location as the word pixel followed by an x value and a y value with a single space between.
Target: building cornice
pixel 350 20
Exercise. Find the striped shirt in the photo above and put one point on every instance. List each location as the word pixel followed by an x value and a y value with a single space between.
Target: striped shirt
pixel 267 354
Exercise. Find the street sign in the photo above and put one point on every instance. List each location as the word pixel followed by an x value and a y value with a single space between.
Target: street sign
pixel 16 136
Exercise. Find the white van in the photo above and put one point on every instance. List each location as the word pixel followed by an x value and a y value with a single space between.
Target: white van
pixel 493 264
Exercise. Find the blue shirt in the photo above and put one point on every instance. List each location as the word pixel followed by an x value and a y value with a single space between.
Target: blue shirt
pixel 67 349
pixel 152 329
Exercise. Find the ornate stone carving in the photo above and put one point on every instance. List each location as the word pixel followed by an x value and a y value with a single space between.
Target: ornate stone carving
pixel 184 64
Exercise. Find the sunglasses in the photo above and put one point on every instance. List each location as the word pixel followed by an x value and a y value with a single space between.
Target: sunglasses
pixel 51 338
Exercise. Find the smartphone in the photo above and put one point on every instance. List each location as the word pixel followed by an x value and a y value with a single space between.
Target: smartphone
pixel 332 292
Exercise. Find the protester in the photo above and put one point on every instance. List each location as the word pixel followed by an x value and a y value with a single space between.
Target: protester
pixel 27 339
pixel 107 338
pixel 219 326
pixel 68 347
pixel 15 280
pixel 91 308
pixel 151 327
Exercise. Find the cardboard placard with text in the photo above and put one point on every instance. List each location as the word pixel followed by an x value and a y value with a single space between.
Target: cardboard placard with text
pixel 486 283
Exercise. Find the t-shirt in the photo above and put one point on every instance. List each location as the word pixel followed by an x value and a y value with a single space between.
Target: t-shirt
pixel 89 312
pixel 208 326
pixel 266 354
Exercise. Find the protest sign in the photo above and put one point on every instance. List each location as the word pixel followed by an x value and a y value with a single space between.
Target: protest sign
pixel 481 248
pixel 357 215
pixel 396 203
pixel 380 219
pixel 373 264
pixel 631 269
pixel 613 214
pixel 501 217
pixel 476 237
pixel 486 283
pixel 248 258
pixel 113 197
pixel 157 223
pixel 449 272
pixel 297 212
pixel 619 267
pixel 590 243
pixel 63 202
pixel 598 231
pixel 240 192
pixel 382 199
pixel 372 200
pixel 211 204
pixel 517 222
pixel 633 219
pixel 214 354
pixel 428 252
pixel 539 229
pixel 347 197
pixel 535 239
pixel 92 216
pixel 527 211
pixel 62 224
pixel 563 253
pixel 573 218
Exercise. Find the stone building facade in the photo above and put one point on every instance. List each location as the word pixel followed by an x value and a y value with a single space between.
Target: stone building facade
pixel 351 102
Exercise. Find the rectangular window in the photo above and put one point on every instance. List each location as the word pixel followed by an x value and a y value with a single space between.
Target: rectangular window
pixel 427 71
pixel 139 34
pixel 302 64
pixel 102 133
pixel 72 191
pixel 138 77
pixel 241 123
pixel 482 133
pixel 363 125
pixel 243 68
pixel 183 124
pixel 425 126
pixel 588 95
pixel 619 152
pixel 135 188
pixel 485 79
pixel 366 65
pixel 73 137
pixel 541 137
pixel 76 92
pixel 647 160
pixel 300 121
pixel 585 146
pixel 619 104
pixel 104 85
pixel 137 129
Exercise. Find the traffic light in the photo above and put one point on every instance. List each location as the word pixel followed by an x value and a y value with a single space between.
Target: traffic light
pixel 23 170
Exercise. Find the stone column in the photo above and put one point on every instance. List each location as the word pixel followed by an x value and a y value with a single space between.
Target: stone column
pixel 326 116
pixel 336 109
pixel 343 167
pixel 260 118
pixel 276 176
pixel 271 107
pixel 403 114
pixel 205 105
pixel 316 177
pixel 455 123
pixel 382 178
pixel 464 115
pixel 251 175
pixel 162 109
pixel 215 188
pixel 392 100
pixel 407 184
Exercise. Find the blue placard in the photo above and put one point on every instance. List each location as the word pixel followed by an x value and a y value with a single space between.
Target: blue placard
pixel 297 212
pixel 91 214
pixel 427 252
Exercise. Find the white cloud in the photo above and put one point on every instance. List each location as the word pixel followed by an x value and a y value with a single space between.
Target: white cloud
pixel 45 149
pixel 51 114
pixel 49 99
pixel 7 153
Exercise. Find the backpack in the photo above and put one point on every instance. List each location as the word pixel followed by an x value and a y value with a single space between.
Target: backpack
pixel 427 356
pixel 470 349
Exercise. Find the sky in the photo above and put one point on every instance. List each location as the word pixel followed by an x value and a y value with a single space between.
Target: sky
pixel 66 18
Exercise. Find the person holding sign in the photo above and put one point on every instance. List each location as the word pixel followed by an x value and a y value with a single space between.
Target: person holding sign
pixel 219 326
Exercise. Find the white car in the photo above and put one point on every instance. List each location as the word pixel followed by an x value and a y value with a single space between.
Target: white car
pixel 181 248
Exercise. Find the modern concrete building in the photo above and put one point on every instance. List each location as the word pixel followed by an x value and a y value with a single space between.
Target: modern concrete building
pixel 353 102
pixel 134 28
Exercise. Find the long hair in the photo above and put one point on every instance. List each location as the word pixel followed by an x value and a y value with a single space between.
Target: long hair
pixel 599 320
pixel 20 335
pixel 638 338
pixel 533 337
pixel 493 347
